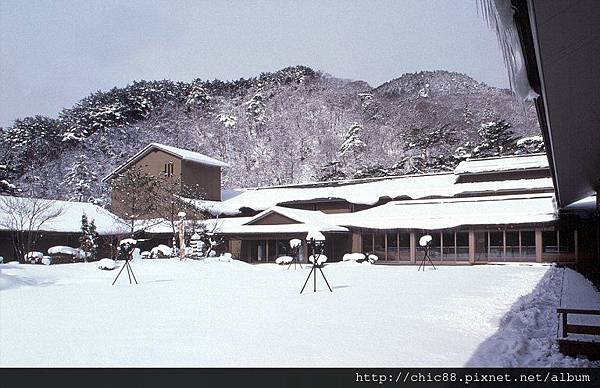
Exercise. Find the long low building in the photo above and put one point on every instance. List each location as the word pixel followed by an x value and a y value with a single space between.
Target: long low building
pixel 486 210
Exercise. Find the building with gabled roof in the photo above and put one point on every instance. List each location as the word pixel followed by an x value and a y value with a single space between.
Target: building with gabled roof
pixel 486 210
pixel 193 169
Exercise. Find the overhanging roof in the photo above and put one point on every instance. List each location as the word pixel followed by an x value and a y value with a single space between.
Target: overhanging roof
pixel 561 45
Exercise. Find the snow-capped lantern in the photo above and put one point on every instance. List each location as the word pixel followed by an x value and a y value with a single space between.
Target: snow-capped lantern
pixel 197 245
pixel 425 240
pixel 315 241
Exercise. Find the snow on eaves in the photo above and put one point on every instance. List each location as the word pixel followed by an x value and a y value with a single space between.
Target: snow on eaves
pixel 178 152
pixel 308 220
pixel 502 164
pixel 190 155
pixel 453 212
pixel 369 193
pixel 69 221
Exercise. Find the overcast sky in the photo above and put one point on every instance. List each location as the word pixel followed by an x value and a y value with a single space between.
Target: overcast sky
pixel 53 53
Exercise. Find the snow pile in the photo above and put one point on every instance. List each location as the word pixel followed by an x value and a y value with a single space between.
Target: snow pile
pixel 284 260
pixel 531 139
pixel 354 257
pixel 294 243
pixel 320 259
pixel 161 251
pixel 372 258
pixel 129 241
pixel 46 260
pixel 63 250
pixel 34 257
pixel 107 264
pixel 527 333
pixel 316 235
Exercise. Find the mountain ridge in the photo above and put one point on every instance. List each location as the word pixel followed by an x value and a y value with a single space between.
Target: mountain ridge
pixel 289 126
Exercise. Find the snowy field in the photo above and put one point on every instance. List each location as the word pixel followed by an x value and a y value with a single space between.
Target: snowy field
pixel 214 313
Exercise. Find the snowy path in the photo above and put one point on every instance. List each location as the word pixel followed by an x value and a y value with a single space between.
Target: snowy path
pixel 233 314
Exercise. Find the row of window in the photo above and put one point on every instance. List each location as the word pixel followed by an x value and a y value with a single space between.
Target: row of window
pixel 510 245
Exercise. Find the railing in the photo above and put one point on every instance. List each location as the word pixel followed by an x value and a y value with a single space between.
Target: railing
pixel 577 329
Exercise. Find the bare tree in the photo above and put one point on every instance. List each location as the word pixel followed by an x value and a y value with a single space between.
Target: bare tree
pixel 25 217
pixel 134 193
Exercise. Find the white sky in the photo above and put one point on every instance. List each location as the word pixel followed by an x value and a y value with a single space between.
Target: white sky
pixel 53 53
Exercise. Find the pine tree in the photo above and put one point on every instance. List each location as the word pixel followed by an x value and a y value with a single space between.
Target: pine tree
pixel 78 179
pixel 87 240
pixel 352 140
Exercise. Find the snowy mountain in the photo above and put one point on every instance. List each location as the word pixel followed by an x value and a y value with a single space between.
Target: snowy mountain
pixel 290 126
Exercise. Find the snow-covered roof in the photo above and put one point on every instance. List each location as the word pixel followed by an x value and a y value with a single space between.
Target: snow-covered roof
pixel 178 152
pixel 453 212
pixel 369 192
pixel 502 164
pixel 307 221
pixel 586 205
pixel 69 221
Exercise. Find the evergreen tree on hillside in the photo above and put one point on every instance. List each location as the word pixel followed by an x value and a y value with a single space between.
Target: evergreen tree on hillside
pixel 78 179
pixel 352 141
pixel 30 140
pixel 497 139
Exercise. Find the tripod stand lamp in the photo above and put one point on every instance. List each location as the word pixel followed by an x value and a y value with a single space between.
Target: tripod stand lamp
pixel 124 252
pixel 295 245
pixel 425 243
pixel 316 243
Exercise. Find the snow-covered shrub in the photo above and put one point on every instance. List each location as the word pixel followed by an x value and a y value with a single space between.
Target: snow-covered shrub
pixel 61 254
pixel 145 255
pixel 107 264
pixel 46 260
pixel 1 260
pixel 212 253
pixel 34 257
pixel 372 258
pixel 284 260
pixel 358 257
pixel 161 252
pixel 320 259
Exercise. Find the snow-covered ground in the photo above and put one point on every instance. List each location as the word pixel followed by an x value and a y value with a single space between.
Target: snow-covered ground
pixel 190 313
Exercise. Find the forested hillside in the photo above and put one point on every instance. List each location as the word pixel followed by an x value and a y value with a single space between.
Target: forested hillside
pixel 294 125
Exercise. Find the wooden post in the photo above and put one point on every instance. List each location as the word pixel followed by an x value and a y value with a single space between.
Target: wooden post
pixel 538 245
pixel 356 243
pixel 413 247
pixel 564 324
pixel 181 247
pixel 471 246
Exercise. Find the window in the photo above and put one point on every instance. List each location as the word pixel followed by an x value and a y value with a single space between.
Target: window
pixel 436 246
pixel 462 245
pixel 404 243
pixel 367 243
pixel 550 241
pixel 496 245
pixel 449 249
pixel 379 248
pixel 168 169
pixel 392 246
pixel 527 244
pixel 513 251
